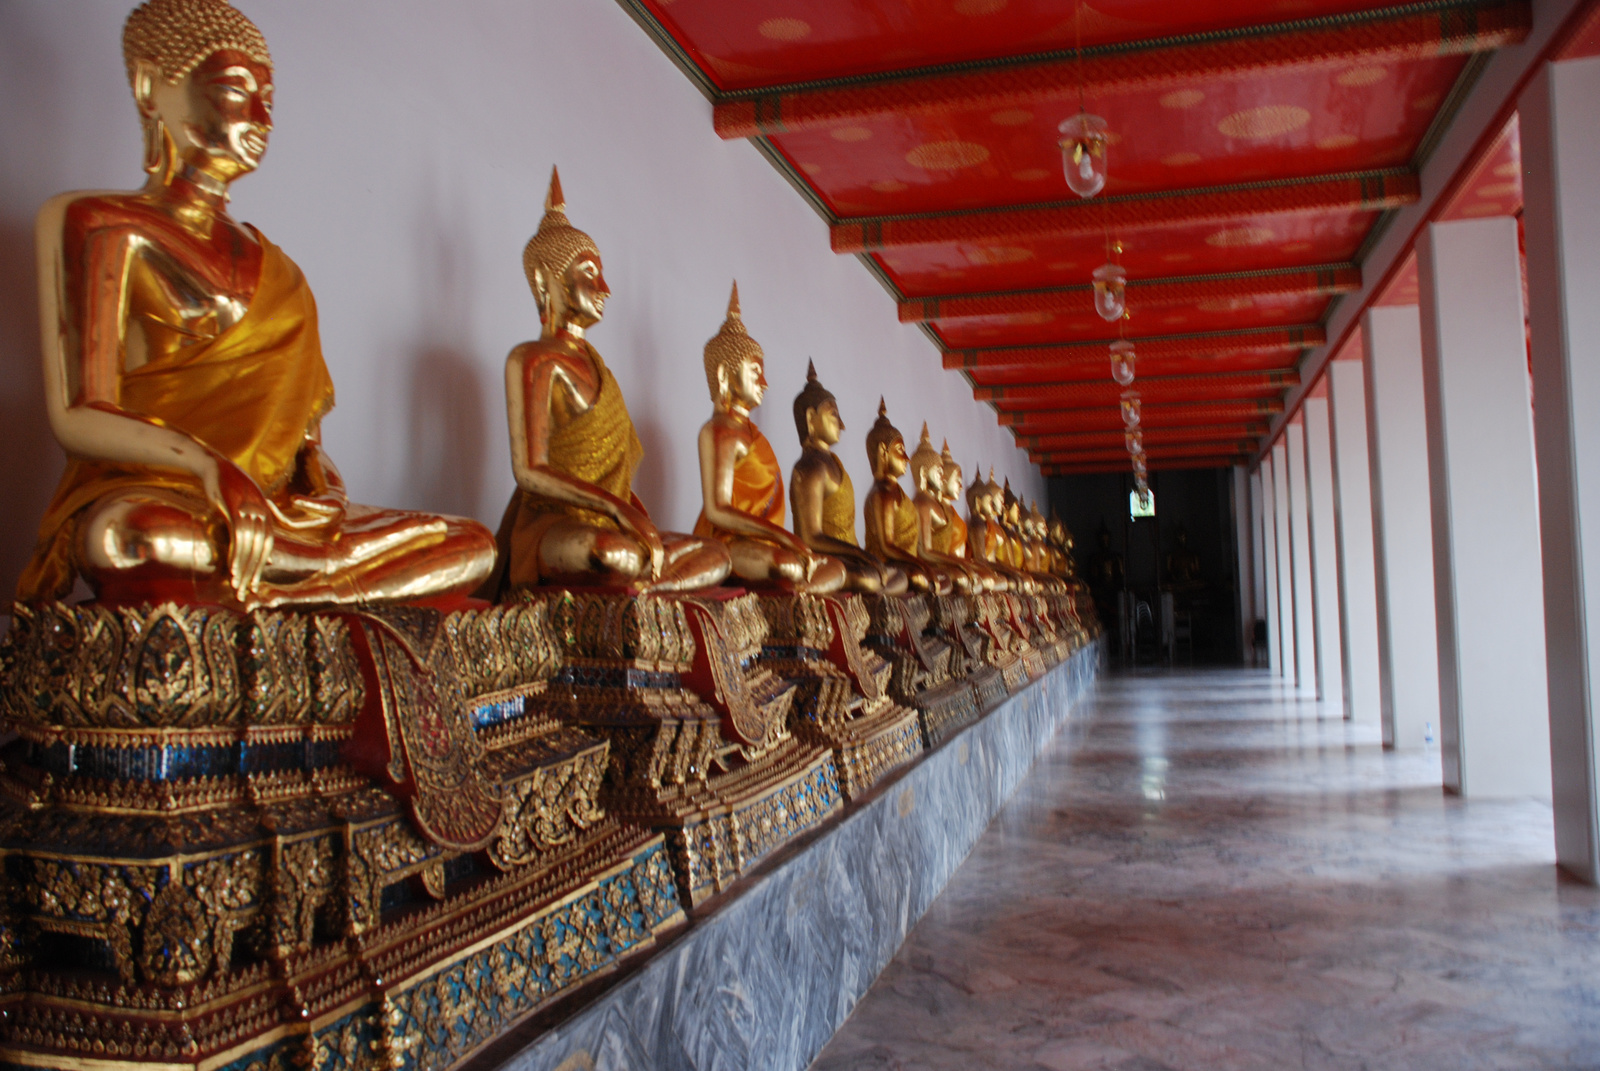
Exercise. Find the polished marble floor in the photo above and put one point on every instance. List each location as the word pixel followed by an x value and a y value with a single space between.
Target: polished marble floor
pixel 1203 872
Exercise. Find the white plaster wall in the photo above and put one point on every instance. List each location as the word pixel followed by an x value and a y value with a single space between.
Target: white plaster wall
pixel 408 166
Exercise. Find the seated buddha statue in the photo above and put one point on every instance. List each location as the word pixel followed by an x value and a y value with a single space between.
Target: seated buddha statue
pixel 1066 566
pixel 186 380
pixel 892 527
pixel 1038 535
pixel 1011 524
pixel 741 485
pixel 987 539
pixel 933 520
pixel 1183 565
pixel 955 538
pixel 574 518
pixel 824 498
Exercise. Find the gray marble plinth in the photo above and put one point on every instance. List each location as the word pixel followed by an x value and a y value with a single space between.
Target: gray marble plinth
pixel 764 981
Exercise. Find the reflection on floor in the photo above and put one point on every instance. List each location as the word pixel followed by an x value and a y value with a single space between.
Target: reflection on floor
pixel 1203 873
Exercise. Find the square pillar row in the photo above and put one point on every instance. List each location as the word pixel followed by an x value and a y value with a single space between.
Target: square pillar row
pixel 1494 722
pixel 1305 620
pixel 1324 552
pixel 1269 558
pixel 1397 458
pixel 1258 562
pixel 1560 114
pixel 1244 566
pixel 1352 499
pixel 1280 514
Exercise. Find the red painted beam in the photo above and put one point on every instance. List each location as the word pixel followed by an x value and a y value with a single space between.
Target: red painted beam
pixel 1205 449
pixel 1088 440
pixel 1167 415
pixel 1166 389
pixel 1371 37
pixel 1081 468
pixel 1210 344
pixel 1144 293
pixel 1366 191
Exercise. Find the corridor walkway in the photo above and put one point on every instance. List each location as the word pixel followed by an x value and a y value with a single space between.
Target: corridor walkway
pixel 1202 873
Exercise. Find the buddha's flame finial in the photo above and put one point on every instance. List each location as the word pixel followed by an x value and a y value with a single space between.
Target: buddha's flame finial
pixel 811 370
pixel 925 438
pixel 883 408
pixel 945 455
pixel 555 200
pixel 730 346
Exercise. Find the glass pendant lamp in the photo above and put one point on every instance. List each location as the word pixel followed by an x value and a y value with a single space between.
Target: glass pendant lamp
pixel 1122 362
pixel 1083 153
pixel 1110 292
pixel 1130 409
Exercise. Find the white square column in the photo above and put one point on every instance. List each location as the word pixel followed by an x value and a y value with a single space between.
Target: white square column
pixel 1560 117
pixel 1243 545
pixel 1494 722
pixel 1358 586
pixel 1280 510
pixel 1269 558
pixel 1397 457
pixel 1305 615
pixel 1324 551
pixel 1258 562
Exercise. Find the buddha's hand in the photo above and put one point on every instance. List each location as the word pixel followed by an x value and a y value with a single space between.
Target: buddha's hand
pixel 249 526
pixel 641 528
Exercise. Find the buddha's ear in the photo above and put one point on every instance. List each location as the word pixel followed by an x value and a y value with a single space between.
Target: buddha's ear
pixel 811 423
pixel 541 292
pixel 722 381
pixel 145 77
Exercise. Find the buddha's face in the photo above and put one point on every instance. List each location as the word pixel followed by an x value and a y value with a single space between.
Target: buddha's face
pixel 952 483
pixel 218 116
pixel 824 424
pixel 892 459
pixel 749 385
pixel 586 291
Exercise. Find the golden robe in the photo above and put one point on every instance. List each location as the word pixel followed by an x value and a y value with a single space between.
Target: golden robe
pixel 757 489
pixel 598 446
pixel 253 394
pixel 903 533
pixel 952 538
pixel 839 511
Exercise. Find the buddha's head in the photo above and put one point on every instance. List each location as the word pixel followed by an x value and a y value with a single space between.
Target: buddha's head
pixel 886 447
pixel 735 366
pixel 953 478
pixel 202 80
pixel 816 413
pixel 1058 532
pixel 977 492
pixel 991 498
pixel 563 268
pixel 1036 522
pixel 927 468
pixel 1011 505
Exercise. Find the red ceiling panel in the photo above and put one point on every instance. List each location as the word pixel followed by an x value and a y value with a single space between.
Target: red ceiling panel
pixel 1242 244
pixel 742 44
pixel 1270 142
pixel 1045 328
pixel 1222 130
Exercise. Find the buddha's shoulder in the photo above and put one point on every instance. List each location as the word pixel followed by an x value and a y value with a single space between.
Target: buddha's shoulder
pixel 99 209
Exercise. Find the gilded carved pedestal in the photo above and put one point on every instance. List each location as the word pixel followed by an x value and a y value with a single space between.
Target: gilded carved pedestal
pixel 843 686
pixel 299 840
pixel 716 768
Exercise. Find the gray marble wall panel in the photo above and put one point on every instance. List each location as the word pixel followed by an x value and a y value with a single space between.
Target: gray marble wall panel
pixel 763 982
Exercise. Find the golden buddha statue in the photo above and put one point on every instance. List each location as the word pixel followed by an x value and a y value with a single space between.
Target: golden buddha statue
pixel 1011 526
pixel 987 540
pixel 955 538
pixel 741 485
pixel 1061 540
pixel 574 518
pixel 824 498
pixel 933 520
pixel 186 380
pixel 892 526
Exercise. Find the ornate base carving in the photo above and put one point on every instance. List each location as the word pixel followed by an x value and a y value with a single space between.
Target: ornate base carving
pixel 724 787
pixel 819 644
pixel 259 840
